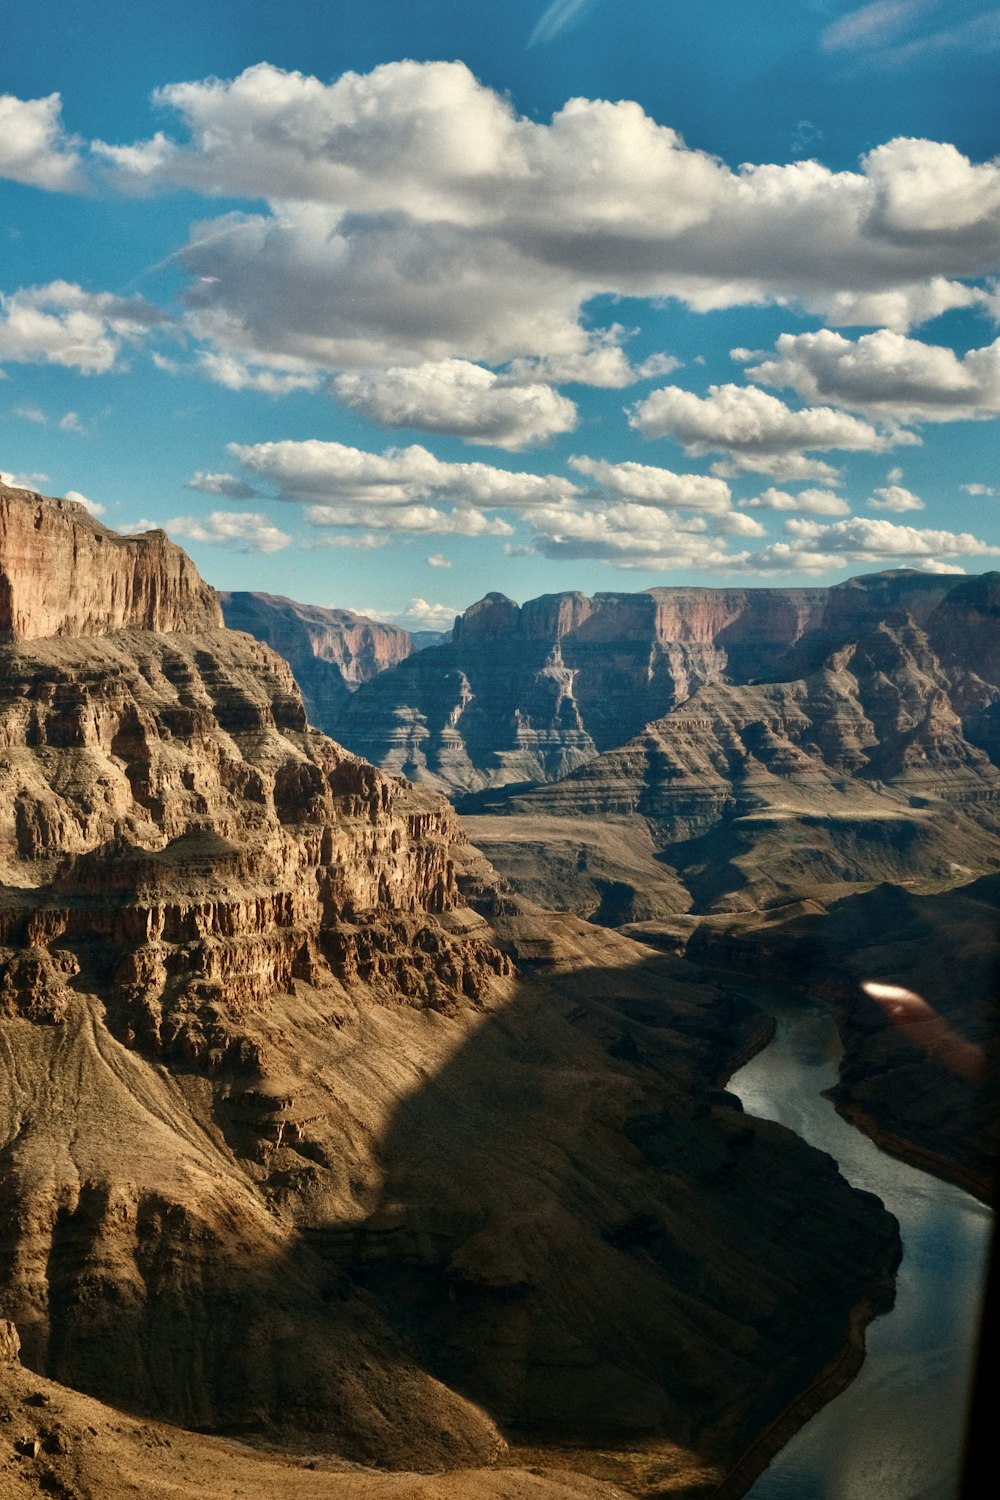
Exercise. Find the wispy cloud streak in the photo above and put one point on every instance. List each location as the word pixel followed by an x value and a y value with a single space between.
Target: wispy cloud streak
pixel 557 18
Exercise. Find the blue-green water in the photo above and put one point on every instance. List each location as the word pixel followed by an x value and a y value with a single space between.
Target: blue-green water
pixel 896 1432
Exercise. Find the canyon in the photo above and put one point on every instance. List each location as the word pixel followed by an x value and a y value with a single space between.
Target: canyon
pixel 704 769
pixel 317 1134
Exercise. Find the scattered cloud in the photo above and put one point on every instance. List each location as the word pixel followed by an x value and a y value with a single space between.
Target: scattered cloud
pixel 422 519
pixel 23 481
pixel 247 531
pixel 981 489
pixel 630 536
pixel 28 412
pixel 558 17
pixel 886 375
pixel 337 474
pixel 459 398
pixel 868 540
pixel 787 468
pixel 237 375
pixel 438 560
pixel 226 485
pixel 895 497
pixel 604 364
pixel 61 324
pixel 411 216
pixel 753 428
pixel 805 136
pixel 71 423
pixel 653 486
pixel 875 24
pixel 808 502
pixel 92 506
pixel 421 615
pixel 888 32
pixel 366 542
pixel 34 148
pixel 418 615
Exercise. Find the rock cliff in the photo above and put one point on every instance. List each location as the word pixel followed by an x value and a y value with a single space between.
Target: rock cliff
pixel 528 693
pixel 63 573
pixel 331 651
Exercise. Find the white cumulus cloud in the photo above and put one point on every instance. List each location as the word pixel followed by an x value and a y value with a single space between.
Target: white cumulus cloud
pixel 34 148
pixel 426 519
pixel 655 486
pixel 457 397
pixel 808 502
pixel 895 497
pixel 225 485
pixel 61 324
pixel 887 375
pixel 411 215
pixel 752 427
pixel 337 474
pixel 862 539
pixel 93 506
pixel 247 531
pixel 632 536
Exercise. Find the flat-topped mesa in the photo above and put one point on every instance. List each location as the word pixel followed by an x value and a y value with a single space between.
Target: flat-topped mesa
pixel 708 616
pixel 64 574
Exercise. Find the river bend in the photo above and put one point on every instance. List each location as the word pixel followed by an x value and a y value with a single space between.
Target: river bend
pixel 896 1432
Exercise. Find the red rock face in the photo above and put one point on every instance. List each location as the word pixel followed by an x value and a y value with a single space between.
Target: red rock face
pixel 359 647
pixel 63 573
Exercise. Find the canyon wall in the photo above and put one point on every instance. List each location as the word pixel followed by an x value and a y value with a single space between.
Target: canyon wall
pixel 63 573
pixel 331 651
pixel 528 693
pixel 879 765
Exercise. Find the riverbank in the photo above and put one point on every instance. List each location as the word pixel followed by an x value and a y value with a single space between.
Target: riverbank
pixel 922 1159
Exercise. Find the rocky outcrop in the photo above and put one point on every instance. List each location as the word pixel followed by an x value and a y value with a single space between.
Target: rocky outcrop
pixel 528 693
pixel 63 573
pixel 59 1442
pixel 331 651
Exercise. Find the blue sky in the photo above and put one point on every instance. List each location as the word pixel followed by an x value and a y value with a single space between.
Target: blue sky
pixel 387 305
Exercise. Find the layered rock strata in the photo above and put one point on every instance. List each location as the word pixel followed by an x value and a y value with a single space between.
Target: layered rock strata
pixel 528 693
pixel 290 1149
pixel 331 651
pixel 877 766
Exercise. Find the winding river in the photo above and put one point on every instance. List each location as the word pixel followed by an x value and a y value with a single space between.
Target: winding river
pixel 896 1432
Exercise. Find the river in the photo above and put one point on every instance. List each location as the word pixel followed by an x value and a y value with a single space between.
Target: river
pixel 896 1432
